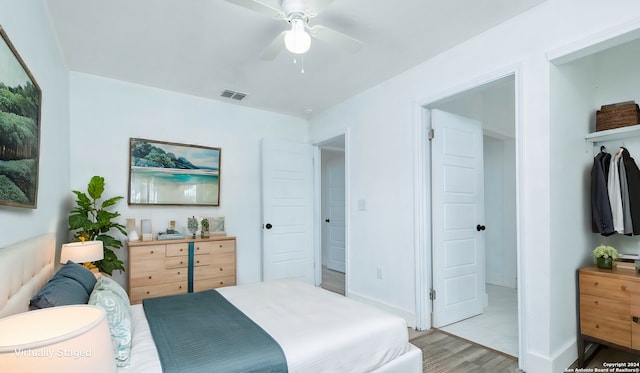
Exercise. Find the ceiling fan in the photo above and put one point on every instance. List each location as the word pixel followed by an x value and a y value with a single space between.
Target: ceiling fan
pixel 298 39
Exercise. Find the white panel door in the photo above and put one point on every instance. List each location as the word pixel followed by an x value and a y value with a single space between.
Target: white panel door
pixel 287 211
pixel 458 213
pixel 335 213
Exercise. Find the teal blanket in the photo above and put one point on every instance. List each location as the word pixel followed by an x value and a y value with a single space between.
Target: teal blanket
pixel 203 332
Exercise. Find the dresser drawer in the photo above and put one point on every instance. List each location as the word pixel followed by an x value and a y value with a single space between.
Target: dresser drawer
pixel 176 262
pixel 201 260
pixel 177 249
pixel 141 292
pixel 610 309
pixel 212 283
pixel 611 288
pixel 159 277
pixel 607 329
pixel 221 266
pixel 146 253
pixel 215 247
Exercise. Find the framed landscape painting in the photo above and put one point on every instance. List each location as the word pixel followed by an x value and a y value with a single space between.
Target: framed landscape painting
pixel 20 101
pixel 166 173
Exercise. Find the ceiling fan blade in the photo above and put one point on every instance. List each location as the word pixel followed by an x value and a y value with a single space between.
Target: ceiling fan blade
pixel 335 38
pixel 259 7
pixel 272 50
pixel 314 7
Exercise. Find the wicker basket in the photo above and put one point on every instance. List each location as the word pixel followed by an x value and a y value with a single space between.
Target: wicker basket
pixel 618 115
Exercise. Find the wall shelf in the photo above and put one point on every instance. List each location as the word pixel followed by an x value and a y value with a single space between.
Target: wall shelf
pixel 614 134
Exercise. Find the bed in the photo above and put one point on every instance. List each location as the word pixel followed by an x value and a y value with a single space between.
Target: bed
pixel 318 331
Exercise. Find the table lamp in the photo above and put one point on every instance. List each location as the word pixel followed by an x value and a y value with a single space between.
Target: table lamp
pixel 82 252
pixel 58 339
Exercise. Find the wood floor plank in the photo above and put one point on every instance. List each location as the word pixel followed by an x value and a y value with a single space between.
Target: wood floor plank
pixel 442 353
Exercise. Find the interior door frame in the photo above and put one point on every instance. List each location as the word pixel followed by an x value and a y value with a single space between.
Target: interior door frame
pixel 317 201
pixel 422 197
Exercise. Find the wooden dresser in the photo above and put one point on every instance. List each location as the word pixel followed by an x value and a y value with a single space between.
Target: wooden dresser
pixel 609 309
pixel 166 267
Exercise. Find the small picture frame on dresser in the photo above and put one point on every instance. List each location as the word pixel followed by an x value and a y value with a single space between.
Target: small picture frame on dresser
pixel 145 228
pixel 217 226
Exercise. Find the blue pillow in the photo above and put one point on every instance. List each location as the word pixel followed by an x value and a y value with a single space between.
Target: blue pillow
pixel 79 273
pixel 59 291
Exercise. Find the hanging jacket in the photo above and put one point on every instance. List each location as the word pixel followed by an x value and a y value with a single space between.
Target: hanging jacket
pixel 602 219
pixel 633 185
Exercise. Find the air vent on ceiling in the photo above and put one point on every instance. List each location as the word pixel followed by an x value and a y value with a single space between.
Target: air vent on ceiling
pixel 233 95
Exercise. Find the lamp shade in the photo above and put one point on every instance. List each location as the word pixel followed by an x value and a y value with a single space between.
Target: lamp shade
pixel 82 252
pixel 57 339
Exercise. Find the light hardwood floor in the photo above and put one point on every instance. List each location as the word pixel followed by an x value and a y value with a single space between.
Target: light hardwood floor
pixel 442 353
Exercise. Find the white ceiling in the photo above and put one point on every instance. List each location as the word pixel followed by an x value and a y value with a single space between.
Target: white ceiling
pixel 202 47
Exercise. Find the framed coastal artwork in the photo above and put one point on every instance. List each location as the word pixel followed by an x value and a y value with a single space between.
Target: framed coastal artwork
pixel 167 173
pixel 20 101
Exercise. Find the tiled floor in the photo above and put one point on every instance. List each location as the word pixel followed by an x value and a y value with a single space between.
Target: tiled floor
pixel 497 326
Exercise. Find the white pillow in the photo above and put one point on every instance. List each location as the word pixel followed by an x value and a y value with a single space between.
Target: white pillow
pixel 109 295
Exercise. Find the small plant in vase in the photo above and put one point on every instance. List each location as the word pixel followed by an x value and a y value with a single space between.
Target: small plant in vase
pixel 192 225
pixel 604 256
pixel 204 223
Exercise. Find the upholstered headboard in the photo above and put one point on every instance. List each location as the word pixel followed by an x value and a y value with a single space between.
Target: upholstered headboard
pixel 24 268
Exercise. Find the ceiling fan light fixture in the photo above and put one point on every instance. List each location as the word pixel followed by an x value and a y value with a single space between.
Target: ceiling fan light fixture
pixel 297 40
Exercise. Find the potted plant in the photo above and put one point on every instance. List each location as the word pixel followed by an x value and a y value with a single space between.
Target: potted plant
pixel 90 220
pixel 204 233
pixel 604 256
pixel 192 226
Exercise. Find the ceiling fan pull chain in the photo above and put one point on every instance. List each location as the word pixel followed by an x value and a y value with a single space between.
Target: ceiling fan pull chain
pixel 302 63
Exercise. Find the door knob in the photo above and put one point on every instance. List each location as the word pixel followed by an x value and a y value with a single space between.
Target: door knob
pixel 480 227
pixel 268 226
pixel 327 220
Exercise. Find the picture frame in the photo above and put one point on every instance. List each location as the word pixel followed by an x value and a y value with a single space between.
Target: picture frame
pixel 217 226
pixel 20 117
pixel 167 173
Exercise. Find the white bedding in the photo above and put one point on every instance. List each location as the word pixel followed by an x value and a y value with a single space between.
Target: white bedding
pixel 318 331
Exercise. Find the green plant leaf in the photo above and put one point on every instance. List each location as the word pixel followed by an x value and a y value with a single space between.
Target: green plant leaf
pixel 96 187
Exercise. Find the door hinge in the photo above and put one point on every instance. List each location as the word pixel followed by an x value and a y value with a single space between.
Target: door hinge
pixel 430 134
pixel 432 294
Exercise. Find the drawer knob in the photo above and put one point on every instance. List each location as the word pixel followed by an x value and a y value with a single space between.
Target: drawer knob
pixel 597 326
pixel 178 272
pixel 220 245
pixel 180 287
pixel 181 249
pixel 596 302
pixel 181 262
pixel 623 288
pixel 596 284
pixel 148 292
pixel 221 269
pixel 197 261
pixel 149 277
pixel 151 251
pixel 635 319
pixel 198 248
pixel 221 282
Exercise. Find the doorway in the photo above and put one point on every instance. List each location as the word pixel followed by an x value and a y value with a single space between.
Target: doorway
pixel 333 215
pixel 493 105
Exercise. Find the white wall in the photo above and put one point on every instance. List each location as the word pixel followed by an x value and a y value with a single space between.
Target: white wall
pixel 105 113
pixel 28 27
pixel 381 166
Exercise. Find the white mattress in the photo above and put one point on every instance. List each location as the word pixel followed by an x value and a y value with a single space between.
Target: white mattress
pixel 318 331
